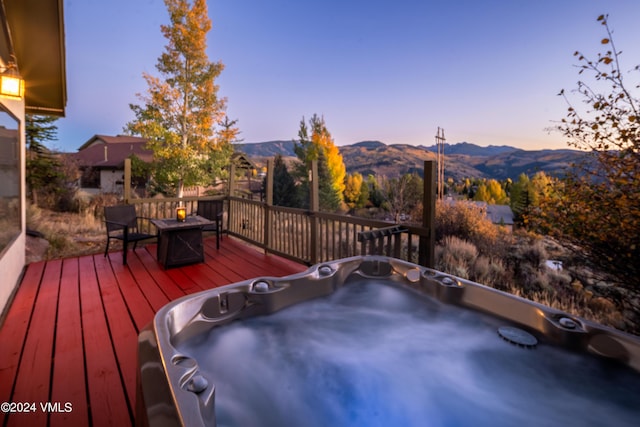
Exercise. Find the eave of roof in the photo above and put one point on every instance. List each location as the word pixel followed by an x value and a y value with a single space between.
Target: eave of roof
pixel 242 161
pixel 37 33
pixel 119 139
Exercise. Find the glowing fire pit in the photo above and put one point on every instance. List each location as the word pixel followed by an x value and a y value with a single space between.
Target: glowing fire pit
pixel 373 341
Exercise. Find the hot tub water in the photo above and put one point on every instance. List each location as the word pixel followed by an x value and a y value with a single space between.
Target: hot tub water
pixel 373 354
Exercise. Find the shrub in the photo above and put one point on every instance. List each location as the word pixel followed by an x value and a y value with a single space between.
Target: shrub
pixel 96 204
pixel 456 256
pixel 461 250
pixel 559 279
pixel 461 258
pixel 466 221
pixel 534 254
pixel 491 272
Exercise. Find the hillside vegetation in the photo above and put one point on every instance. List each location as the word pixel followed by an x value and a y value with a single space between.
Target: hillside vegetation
pixel 470 246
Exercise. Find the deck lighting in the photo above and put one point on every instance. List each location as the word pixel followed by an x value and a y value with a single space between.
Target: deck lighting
pixel 11 84
pixel 181 214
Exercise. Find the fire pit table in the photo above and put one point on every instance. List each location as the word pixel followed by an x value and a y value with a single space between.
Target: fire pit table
pixel 375 341
pixel 180 242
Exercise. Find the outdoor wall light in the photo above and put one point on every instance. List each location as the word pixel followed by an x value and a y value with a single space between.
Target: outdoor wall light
pixel 11 84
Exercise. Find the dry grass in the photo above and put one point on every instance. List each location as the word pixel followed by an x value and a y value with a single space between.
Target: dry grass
pixel 596 309
pixel 531 281
pixel 68 234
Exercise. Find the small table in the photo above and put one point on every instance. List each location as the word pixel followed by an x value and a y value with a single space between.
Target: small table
pixel 180 243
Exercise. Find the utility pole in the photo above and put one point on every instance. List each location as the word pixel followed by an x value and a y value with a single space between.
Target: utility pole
pixel 440 140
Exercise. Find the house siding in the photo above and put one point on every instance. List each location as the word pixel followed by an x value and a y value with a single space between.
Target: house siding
pixel 12 258
pixel 111 181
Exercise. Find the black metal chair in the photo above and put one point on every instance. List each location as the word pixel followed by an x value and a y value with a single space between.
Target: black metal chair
pixel 212 210
pixel 122 224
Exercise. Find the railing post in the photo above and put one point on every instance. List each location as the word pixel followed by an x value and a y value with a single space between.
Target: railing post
pixel 314 207
pixel 127 181
pixel 426 249
pixel 232 210
pixel 397 245
pixel 314 193
pixel 232 179
pixel 268 227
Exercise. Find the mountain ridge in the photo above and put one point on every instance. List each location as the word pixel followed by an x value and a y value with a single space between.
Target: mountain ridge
pixel 473 149
pixel 462 160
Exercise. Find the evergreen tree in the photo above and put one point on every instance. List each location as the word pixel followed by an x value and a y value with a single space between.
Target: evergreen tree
pixel 520 199
pixel 526 194
pixel 180 112
pixel 375 192
pixel 44 171
pixel 364 195
pixel 284 186
pixel 329 198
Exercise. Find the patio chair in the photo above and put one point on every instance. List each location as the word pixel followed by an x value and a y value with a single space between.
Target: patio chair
pixel 212 210
pixel 122 224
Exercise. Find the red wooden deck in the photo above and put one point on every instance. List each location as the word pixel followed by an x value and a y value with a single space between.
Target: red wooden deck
pixel 70 335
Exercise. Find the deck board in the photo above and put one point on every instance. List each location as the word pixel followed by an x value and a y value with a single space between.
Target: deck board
pixel 68 351
pixel 107 401
pixel 14 331
pixel 34 373
pixel 155 295
pixel 141 312
pixel 168 286
pixel 70 334
pixel 184 282
pixel 123 331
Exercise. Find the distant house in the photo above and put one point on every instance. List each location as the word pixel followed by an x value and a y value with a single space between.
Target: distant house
pixel 248 180
pixel 101 161
pixel 498 214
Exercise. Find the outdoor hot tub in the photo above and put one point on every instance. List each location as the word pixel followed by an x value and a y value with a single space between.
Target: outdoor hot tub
pixel 375 341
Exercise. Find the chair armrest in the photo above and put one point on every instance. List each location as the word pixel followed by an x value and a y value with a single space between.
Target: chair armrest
pixel 123 224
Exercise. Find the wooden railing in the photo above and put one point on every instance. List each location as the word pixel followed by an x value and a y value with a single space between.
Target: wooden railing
pixel 309 236
pixel 301 235
pixel 164 208
pixel 313 237
pixel 246 220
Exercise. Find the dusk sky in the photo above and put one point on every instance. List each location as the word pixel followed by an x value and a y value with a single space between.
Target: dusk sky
pixel 487 71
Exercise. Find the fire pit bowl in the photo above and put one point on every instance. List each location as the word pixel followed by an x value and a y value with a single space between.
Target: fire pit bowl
pixel 375 341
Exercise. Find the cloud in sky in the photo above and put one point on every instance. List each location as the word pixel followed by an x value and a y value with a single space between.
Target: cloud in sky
pixel 486 71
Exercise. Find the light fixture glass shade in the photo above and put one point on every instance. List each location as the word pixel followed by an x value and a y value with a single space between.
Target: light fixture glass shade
pixel 181 214
pixel 11 86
